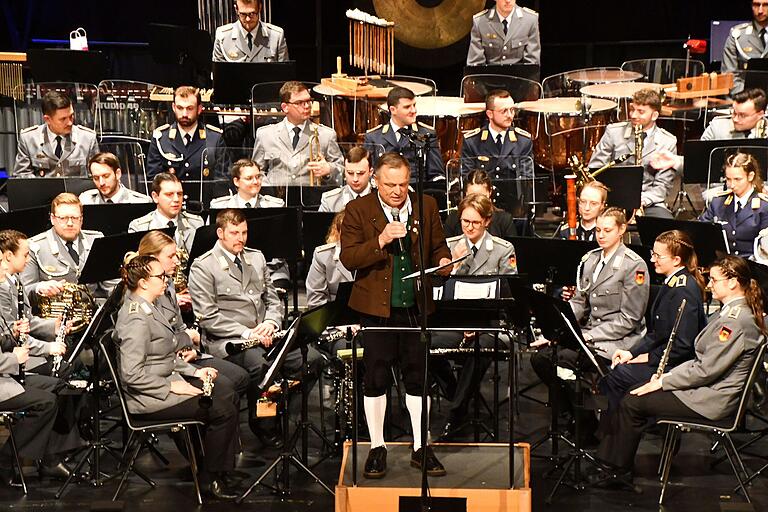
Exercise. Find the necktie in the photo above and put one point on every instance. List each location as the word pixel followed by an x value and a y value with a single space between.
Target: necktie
pixel 598 269
pixel 250 41
pixel 248 205
pixel 296 132
pixel 474 250
pixel 73 253
pixel 171 224
pixel 239 264
pixel 187 139
pixel 738 207
pixel 109 201
pixel 763 39
pixel 58 150
pixel 404 133
pixel 499 142
pixel 506 24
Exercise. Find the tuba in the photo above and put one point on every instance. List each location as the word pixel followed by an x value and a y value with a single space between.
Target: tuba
pixel 315 155
pixel 76 298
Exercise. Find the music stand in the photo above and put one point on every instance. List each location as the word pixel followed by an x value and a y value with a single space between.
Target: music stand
pixel 626 184
pixel 549 260
pixel 106 256
pixel 112 219
pixel 704 159
pixel 187 47
pixel 29 221
pixel 31 192
pixel 63 65
pixel 314 229
pixel 232 81
pixel 520 70
pixel 708 238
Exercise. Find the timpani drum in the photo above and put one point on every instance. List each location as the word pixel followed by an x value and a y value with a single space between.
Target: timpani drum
pixel 559 127
pixel 621 93
pixel 575 80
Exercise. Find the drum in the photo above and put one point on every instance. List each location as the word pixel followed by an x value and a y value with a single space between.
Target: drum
pixel 621 93
pixel 450 117
pixel 559 128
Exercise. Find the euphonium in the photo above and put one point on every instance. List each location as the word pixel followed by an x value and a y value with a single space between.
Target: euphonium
pixel 75 297
pixel 638 134
pixel 315 154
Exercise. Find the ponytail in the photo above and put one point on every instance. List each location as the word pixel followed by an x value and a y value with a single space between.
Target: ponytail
pixel 679 244
pixel 737 268
pixel 754 296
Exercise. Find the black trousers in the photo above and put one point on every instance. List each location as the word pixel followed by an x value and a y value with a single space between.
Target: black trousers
pixel 382 349
pixel 34 428
pixel 620 440
pixel 221 422
pixel 622 379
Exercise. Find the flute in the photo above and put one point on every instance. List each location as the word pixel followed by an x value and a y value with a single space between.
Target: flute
pixel 668 348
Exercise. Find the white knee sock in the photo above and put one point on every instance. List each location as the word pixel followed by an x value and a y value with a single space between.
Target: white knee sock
pixel 413 403
pixel 375 410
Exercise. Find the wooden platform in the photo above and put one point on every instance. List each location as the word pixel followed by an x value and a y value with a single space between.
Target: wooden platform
pixel 477 472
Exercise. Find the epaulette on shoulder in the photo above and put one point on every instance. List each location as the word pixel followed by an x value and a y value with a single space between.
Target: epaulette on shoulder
pixel 632 255
pixel 721 193
pixel 38 237
pixel 620 124
pixel 522 132
pixel 472 133
pixel 454 238
pixel 205 255
pixel 92 232
pixel 373 129
pixel 665 132
pixel 213 128
pixel 737 29
pixel 484 11
pixel 530 11
pixel 252 250
pixel 87 129
pixel 425 125
pixel 325 247
pixel 158 132
pixel 589 253
pixel 28 129
pixel 501 241
pixel 762 196
pixel 333 192
pixel 227 28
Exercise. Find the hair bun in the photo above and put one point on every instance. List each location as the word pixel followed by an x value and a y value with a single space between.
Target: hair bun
pixel 129 256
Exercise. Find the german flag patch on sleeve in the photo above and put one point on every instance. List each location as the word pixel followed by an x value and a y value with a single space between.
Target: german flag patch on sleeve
pixel 640 277
pixel 724 334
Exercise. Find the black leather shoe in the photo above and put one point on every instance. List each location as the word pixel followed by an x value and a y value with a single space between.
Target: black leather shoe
pixel 57 471
pixel 376 463
pixel 434 468
pixel 220 490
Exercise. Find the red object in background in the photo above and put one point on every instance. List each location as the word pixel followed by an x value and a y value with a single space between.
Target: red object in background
pixel 696 45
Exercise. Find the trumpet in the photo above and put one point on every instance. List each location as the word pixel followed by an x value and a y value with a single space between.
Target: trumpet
pixel 672 335
pixel 315 154
pixel 206 399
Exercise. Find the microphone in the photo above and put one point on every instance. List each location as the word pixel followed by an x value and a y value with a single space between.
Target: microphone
pixel 396 217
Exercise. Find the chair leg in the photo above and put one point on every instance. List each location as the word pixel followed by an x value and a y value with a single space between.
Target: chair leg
pixel 667 457
pixel 15 451
pixel 730 451
pixel 663 455
pixel 193 463
pixel 134 453
pixel 126 446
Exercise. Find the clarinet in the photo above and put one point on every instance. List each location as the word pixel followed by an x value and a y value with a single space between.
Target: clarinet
pixel 668 348
pixel 22 339
pixel 61 336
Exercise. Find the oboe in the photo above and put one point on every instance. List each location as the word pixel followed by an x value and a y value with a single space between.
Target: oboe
pixel 22 339
pixel 668 348
pixel 206 399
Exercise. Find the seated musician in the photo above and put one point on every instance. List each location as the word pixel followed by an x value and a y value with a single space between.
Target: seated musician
pixel 674 258
pixel 507 34
pixel 106 174
pixel 235 301
pixel 357 175
pixel 707 387
pixel 395 136
pixel 742 208
pixel 283 150
pixel 619 140
pixel 610 299
pixel 168 195
pixel 178 148
pixel 487 255
pixel 249 39
pixel 745 41
pixel 591 203
pixel 159 386
pixel 326 271
pixel 58 147
pixel 500 143
pixel 502 223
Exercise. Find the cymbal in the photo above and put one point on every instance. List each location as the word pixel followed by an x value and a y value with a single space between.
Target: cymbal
pixel 429 27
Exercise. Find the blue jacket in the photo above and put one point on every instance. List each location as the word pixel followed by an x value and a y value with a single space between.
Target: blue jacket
pixel 167 153
pixel 516 144
pixel 741 229
pixel 384 136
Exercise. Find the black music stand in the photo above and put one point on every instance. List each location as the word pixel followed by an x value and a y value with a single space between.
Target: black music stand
pixel 704 159
pixel 31 192
pixel 29 221
pixel 520 70
pixel 112 219
pixel 708 238
pixel 551 261
pixel 63 65
pixel 314 229
pixel 188 48
pixel 106 256
pixel 625 183
pixel 232 81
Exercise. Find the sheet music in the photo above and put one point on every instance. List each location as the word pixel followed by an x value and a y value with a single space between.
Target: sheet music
pixel 469 290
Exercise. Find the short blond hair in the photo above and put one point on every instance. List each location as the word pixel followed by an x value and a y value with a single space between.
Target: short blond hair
pixel 65 198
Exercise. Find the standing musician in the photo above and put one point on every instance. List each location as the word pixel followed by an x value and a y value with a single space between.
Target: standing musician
pixel 742 208
pixel 490 255
pixel 285 151
pixel 673 257
pixel 326 271
pixel 592 200
pixel 395 136
pixel 502 223
pixel 168 195
pixel 247 178
pixel 706 387
pixel 249 39
pixel 746 41
pixel 502 145
pixel 178 148
pixel 508 34
pixel 58 147
pixel 106 174
pixel 380 242
pixel 619 140
pixel 160 386
pixel 357 175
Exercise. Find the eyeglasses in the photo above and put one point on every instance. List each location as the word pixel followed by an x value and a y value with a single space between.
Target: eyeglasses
pixel 473 223
pixel 508 110
pixel 658 256
pixel 741 115
pixel 255 177
pixel 248 15
pixel 301 103
pixel 66 219
pixel 712 279
pixel 162 277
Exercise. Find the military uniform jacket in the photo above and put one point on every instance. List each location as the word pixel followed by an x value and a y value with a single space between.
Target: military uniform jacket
pixel 335 200
pixel 235 201
pixel 167 304
pixel 721 128
pixel 385 137
pixel 741 229
pixel 227 304
pixel 186 226
pixel 743 43
pixel 167 152
pixel 583 234
pixel 283 165
pixel 124 195
pixel 509 161
pixel 612 308
pixel 494 256
pixel 502 224
pixel 680 286
pixel 489 45
pixel 231 44
pixel 618 140
pixel 711 383
pixel 9 365
pixel 147 359
pixel 41 330
pixel 36 155
pixel 325 274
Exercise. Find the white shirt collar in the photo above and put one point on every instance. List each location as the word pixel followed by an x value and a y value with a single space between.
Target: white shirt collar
pixel 727 305
pixel 673 274
pixel 396 129
pixel 184 131
pixel 495 134
pixel 290 126
pixel 244 33
pixel 508 18
pixel 227 253
pixel 745 198
pixel 162 221
pixel 241 200
pixel 52 138
pixel 116 197
pixel 405 211
pixel 352 194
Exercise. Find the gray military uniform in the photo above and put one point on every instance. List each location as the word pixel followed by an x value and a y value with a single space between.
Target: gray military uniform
pixel 494 256
pixel 743 43
pixel 41 330
pixel 612 308
pixel 186 226
pixel 618 140
pixel 235 201
pixel 36 154
pixel 228 303
pixel 147 359
pixel 335 200
pixel 325 274
pixel 124 195
pixel 489 45
pixel 711 383
pixel 284 165
pixel 721 128
pixel 231 44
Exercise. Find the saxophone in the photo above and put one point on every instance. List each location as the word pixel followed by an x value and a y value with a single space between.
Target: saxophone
pixel 668 348
pixel 583 174
pixel 638 135
pixel 314 153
